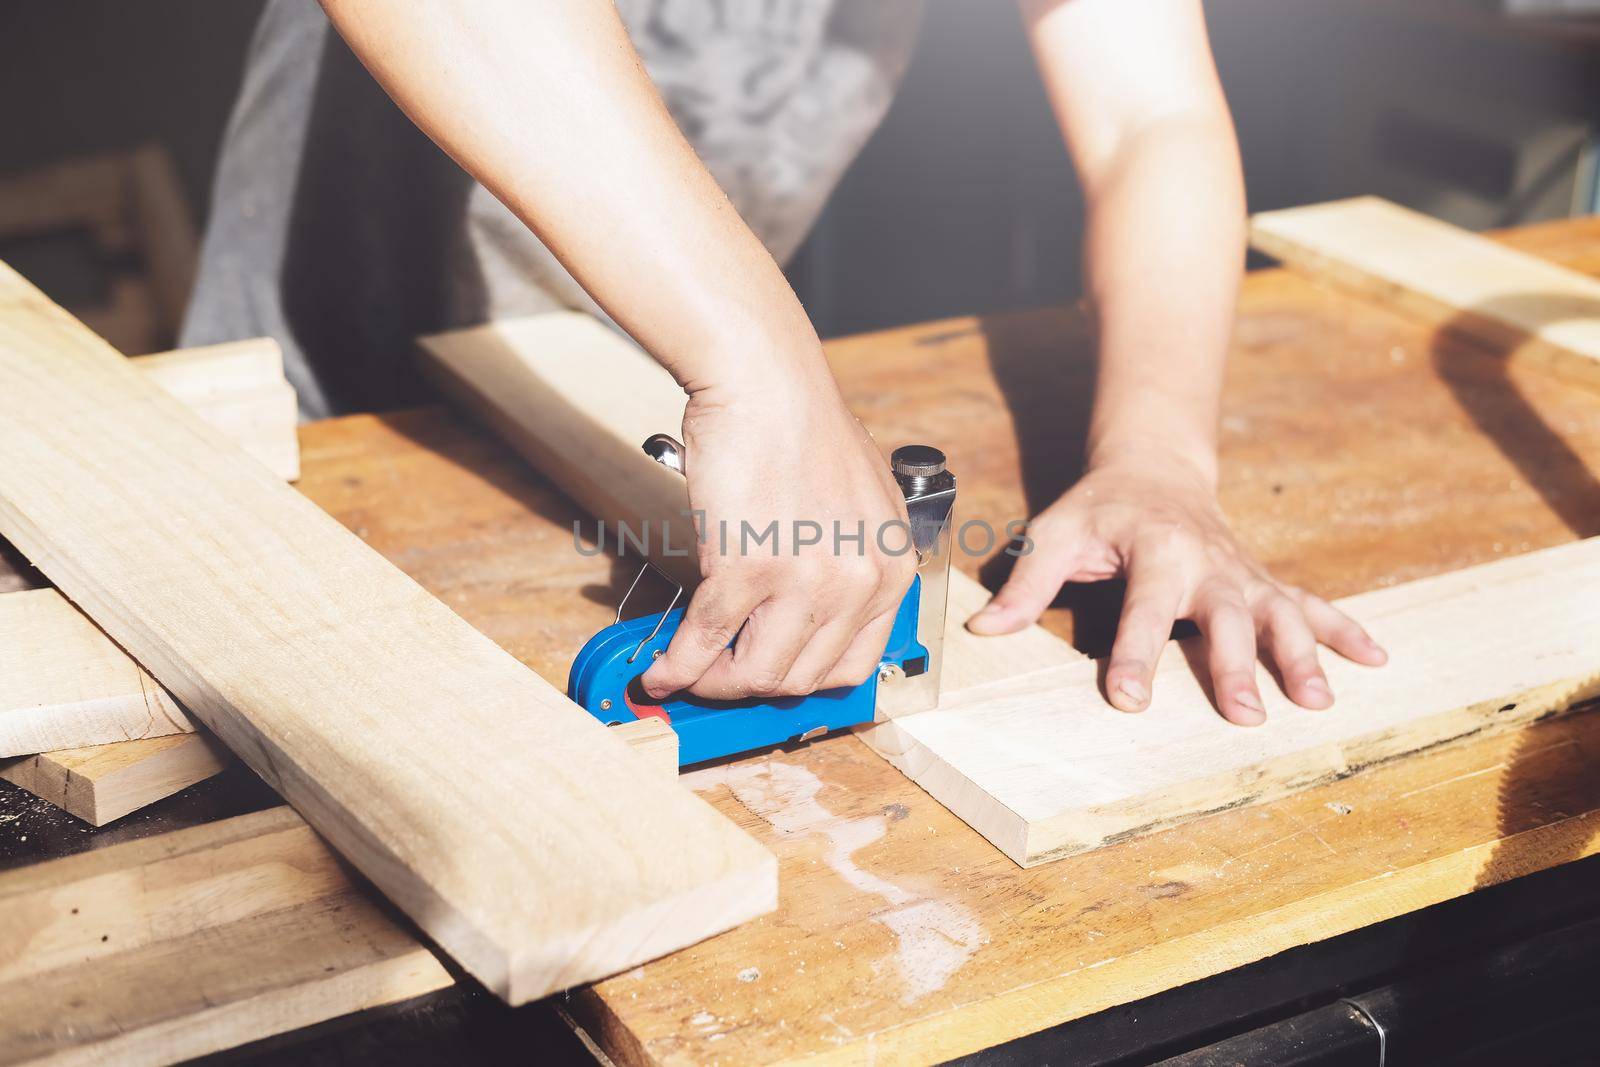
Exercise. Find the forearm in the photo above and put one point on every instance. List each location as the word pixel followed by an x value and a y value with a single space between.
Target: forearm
pixel 548 106
pixel 1143 115
pixel 1164 253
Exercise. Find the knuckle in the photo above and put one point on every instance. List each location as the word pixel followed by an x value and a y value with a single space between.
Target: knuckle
pixel 850 673
pixel 711 638
pixel 1144 615
pixel 1225 604
pixel 762 680
pixel 802 685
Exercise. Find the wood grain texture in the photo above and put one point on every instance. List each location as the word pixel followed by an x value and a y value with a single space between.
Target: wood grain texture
pixel 1023 745
pixel 175 946
pixel 239 388
pixel 206 938
pixel 1057 771
pixel 532 846
pixel 67 692
pixel 1468 284
pixel 65 684
pixel 105 782
pixel 905 939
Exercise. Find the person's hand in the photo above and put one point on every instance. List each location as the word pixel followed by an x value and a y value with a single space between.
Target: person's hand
pixel 806 616
pixel 1155 520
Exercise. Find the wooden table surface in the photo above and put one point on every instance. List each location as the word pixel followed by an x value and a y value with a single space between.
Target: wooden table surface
pixel 1358 450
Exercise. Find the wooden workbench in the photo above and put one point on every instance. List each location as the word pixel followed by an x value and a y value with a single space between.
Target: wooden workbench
pixel 1358 451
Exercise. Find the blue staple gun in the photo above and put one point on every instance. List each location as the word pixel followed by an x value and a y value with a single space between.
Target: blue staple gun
pixel 604 678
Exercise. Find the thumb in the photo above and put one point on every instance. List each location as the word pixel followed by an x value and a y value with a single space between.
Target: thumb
pixel 1033 584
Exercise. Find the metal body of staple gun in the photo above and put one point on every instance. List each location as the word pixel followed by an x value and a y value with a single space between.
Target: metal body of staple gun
pixel 604 676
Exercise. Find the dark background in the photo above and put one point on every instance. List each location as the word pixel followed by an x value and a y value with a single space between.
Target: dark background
pixel 964 202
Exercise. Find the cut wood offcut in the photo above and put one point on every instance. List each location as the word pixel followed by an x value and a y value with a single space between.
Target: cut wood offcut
pixel 200 940
pixel 529 842
pixel 1467 284
pixel 1022 746
pixel 186 943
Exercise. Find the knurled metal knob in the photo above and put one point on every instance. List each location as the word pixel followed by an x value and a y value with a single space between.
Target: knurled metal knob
pixel 917 461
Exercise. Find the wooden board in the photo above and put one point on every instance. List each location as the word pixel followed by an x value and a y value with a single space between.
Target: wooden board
pixel 530 846
pixel 1465 283
pixel 1360 450
pixel 206 938
pixel 105 782
pixel 1045 768
pixel 171 947
pixel 1037 762
pixel 239 388
pixel 67 692
pixel 65 684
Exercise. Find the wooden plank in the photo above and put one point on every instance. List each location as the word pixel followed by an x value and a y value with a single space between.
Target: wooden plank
pixel 206 938
pixel 67 691
pixel 179 945
pixel 105 782
pixel 1011 756
pixel 102 783
pixel 1057 771
pixel 532 846
pixel 1464 283
pixel 64 684
pixel 239 388
pixel 206 372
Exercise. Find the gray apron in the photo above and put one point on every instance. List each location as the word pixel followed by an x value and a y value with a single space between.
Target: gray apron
pixel 339 229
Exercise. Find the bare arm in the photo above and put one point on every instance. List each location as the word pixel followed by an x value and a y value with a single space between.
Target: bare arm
pixel 1149 131
pixel 1142 112
pixel 546 103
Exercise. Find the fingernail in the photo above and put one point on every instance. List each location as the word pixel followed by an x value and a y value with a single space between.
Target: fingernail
pixel 986 619
pixel 1252 704
pixel 1134 691
pixel 1319 687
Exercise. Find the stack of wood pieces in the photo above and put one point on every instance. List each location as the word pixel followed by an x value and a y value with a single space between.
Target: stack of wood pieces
pixel 203 939
pixel 512 831
pixel 532 845
pixel 81 724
